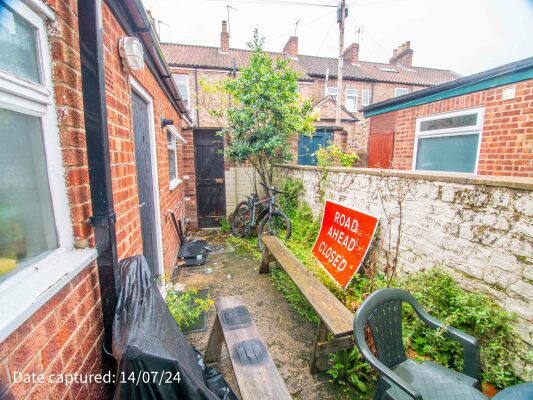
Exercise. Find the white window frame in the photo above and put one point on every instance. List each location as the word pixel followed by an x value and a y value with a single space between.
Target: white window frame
pixel 28 289
pixel 354 96
pixel 188 87
pixel 363 103
pixel 461 131
pixel 402 89
pixel 336 89
pixel 174 183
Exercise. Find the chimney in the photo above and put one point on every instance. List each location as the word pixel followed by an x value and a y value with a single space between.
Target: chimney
pixel 291 47
pixel 403 55
pixel 224 38
pixel 351 54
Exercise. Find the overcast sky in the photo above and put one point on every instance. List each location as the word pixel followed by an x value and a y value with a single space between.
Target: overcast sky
pixel 466 36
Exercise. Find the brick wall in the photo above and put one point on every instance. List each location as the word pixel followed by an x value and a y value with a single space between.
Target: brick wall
pixel 65 335
pixel 62 337
pixel 122 147
pixel 507 138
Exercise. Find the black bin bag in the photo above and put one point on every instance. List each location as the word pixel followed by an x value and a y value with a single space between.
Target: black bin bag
pixel 154 360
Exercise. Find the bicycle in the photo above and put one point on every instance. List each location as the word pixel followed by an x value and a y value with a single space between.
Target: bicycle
pixel 271 220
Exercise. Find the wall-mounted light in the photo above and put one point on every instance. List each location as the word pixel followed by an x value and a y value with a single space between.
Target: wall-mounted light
pixel 166 122
pixel 132 54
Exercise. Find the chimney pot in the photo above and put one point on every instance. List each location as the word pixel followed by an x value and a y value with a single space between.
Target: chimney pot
pixel 291 47
pixel 403 55
pixel 224 38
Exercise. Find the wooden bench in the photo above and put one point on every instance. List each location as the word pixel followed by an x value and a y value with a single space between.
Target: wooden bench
pixel 334 316
pixel 256 373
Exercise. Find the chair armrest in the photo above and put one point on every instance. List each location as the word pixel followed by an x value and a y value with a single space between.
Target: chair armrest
pixel 388 374
pixel 472 365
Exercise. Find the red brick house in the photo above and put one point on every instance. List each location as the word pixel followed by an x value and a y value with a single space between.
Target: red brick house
pixel 93 157
pixel 478 124
pixel 364 83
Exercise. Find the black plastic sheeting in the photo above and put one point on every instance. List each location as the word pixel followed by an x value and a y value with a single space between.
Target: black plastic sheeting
pixel 150 349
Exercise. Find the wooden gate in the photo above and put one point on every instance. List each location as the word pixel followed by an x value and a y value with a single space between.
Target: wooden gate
pixel 145 186
pixel 380 147
pixel 308 145
pixel 210 188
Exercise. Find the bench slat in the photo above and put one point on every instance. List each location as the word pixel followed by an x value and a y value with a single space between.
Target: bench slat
pixel 333 313
pixel 256 373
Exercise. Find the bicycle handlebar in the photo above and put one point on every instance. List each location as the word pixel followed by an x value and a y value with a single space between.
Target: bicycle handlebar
pixel 271 188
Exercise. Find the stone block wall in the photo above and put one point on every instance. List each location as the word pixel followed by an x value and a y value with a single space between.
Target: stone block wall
pixel 479 228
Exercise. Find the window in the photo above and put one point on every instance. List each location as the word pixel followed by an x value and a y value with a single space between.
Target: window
pixel 172 159
pixel 351 100
pixel 172 147
pixel 332 91
pixel 365 101
pixel 448 142
pixel 400 92
pixel 387 69
pixel 37 256
pixel 182 82
pixel 28 230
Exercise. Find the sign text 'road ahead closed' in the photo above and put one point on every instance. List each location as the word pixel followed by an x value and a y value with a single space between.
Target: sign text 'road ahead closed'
pixel 344 239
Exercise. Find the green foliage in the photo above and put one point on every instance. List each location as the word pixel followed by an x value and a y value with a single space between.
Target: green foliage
pixel 265 111
pixel 225 226
pixel 282 282
pixel 246 246
pixel 350 370
pixel 333 156
pixel 473 313
pixel 186 307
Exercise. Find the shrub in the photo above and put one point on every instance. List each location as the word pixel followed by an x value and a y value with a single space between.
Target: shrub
pixel 473 313
pixel 185 307
pixel 333 156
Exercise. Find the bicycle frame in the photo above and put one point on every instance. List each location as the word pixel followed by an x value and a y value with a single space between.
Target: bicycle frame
pixel 271 200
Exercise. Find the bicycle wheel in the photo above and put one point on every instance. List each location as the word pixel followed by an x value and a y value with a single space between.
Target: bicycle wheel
pixel 241 219
pixel 275 224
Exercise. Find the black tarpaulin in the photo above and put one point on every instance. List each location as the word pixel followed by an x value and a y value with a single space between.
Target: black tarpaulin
pixel 150 349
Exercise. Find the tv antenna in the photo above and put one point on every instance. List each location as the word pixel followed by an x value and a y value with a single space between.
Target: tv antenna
pixel 296 26
pixel 228 7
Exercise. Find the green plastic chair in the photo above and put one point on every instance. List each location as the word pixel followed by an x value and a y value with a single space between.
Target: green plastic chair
pixel 399 377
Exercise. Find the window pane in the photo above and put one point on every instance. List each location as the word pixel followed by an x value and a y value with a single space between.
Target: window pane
pixel 181 79
pixel 332 91
pixel 350 103
pixel 449 122
pixel 27 228
pixel 449 153
pixel 171 156
pixel 366 97
pixel 400 91
pixel 18 46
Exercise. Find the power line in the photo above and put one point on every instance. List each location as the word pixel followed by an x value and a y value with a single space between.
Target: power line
pixel 278 2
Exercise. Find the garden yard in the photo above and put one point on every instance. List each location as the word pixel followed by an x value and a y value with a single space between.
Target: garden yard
pixel 287 322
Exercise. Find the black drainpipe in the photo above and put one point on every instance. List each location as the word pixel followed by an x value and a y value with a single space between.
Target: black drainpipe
pixel 103 219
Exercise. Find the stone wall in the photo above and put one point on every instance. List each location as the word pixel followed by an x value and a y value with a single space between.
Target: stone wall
pixel 479 228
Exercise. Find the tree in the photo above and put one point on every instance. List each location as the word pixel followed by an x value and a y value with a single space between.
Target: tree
pixel 262 111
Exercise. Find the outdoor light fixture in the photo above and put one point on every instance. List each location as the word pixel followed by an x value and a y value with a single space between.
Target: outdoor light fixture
pixel 166 122
pixel 131 52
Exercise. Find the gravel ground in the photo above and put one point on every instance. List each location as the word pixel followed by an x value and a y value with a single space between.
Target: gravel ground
pixel 288 337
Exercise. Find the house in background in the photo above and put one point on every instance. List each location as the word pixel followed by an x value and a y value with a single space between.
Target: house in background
pixel 478 124
pixel 364 83
pixel 93 158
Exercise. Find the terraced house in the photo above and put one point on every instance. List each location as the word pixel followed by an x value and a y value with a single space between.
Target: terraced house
pixel 364 83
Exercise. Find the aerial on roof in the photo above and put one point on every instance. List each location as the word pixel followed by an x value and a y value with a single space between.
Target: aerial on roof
pixel 192 56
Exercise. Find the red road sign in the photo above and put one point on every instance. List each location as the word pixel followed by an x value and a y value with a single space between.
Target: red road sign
pixel 344 239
